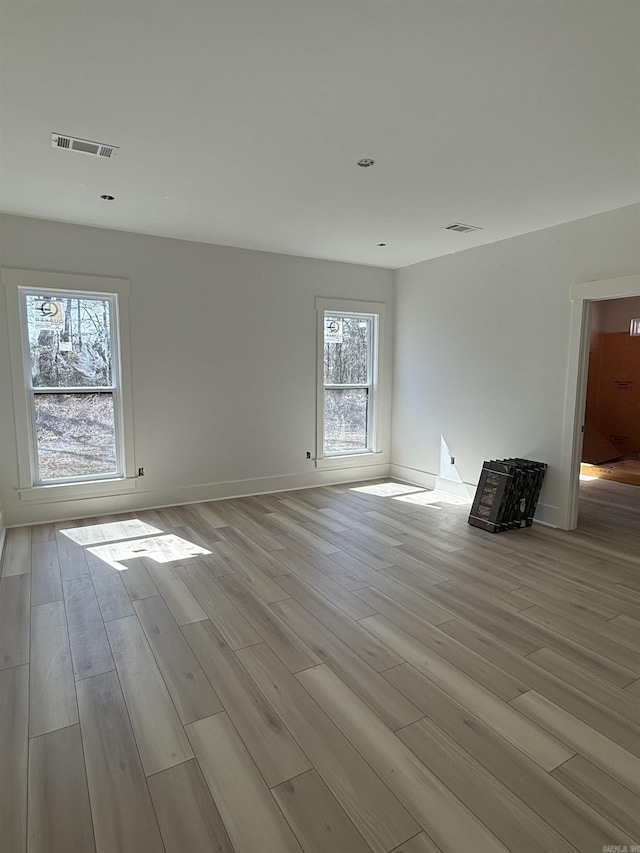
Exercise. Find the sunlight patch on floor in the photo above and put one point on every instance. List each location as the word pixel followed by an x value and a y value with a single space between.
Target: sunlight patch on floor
pixel 428 498
pixel 161 549
pixel 386 490
pixel 94 533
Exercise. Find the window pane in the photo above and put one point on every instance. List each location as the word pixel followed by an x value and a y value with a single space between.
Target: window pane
pixel 346 350
pixel 75 435
pixel 69 340
pixel 345 419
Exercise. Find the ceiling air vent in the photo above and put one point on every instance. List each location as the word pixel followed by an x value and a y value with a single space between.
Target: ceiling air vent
pixel 84 146
pixel 461 228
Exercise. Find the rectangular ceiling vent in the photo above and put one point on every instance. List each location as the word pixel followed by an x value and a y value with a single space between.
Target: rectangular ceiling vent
pixel 461 228
pixel 83 146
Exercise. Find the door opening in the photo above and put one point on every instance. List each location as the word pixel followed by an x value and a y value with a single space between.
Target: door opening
pixel 583 296
pixel 611 444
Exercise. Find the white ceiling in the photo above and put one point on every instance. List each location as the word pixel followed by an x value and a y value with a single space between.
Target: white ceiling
pixel 240 123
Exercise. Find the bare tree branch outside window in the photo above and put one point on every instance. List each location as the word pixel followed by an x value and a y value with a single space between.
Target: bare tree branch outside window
pixel 347 357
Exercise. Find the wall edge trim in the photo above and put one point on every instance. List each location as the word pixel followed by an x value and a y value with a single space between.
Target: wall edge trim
pixel 180 495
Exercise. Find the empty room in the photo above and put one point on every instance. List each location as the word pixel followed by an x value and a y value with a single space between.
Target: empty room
pixel 304 309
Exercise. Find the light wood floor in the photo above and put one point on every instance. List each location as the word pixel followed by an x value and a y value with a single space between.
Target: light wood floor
pixel 336 670
pixel 620 470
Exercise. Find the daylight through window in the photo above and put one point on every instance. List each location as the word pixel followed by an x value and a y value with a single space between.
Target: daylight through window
pixel 71 361
pixel 348 383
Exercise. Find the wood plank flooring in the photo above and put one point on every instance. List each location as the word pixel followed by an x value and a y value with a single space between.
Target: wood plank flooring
pixel 347 669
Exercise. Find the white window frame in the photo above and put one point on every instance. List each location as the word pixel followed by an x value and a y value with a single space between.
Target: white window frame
pixel 374 450
pixel 18 283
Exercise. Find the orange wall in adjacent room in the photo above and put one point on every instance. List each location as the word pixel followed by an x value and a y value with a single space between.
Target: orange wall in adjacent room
pixel 613 387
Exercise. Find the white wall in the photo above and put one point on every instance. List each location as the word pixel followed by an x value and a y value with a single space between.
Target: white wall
pixel 618 313
pixel 223 361
pixel 598 316
pixel 481 347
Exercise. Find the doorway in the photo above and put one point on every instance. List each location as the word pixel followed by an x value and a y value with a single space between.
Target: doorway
pixel 583 297
pixel 611 444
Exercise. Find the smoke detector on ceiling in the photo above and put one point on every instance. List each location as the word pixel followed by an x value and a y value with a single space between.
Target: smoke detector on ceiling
pixel 461 228
pixel 83 146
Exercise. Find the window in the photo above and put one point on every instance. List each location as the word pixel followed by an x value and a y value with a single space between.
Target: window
pixel 72 395
pixel 348 379
pixel 72 380
pixel 348 383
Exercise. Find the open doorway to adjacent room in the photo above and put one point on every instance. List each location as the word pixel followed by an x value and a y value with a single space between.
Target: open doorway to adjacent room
pixel 585 299
pixel 611 446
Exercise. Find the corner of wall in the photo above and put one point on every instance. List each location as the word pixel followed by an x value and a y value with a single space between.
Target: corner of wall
pixel 412 476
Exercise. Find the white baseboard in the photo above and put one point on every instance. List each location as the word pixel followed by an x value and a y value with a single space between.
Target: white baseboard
pixel 455 487
pixel 24 514
pixel 156 498
pixel 432 481
pixel 547 514
pixel 412 476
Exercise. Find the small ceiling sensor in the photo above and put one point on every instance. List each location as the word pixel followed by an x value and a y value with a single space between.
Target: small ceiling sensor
pixel 381 244
pixel 366 162
pixel 108 197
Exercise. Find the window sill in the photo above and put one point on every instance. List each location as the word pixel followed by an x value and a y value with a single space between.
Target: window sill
pixel 354 460
pixel 77 491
